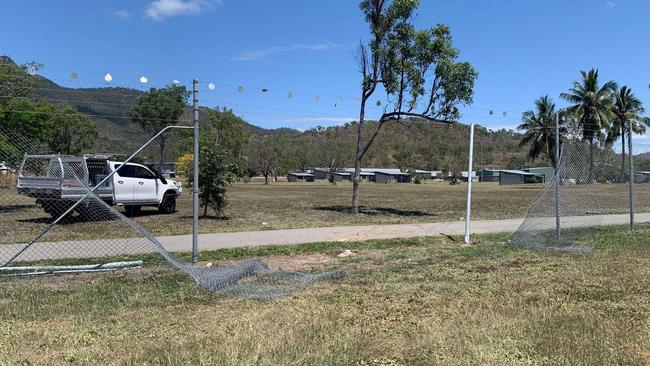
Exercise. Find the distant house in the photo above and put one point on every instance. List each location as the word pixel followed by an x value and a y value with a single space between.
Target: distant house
pixel 642 177
pixel 465 176
pixel 300 177
pixel 391 176
pixel 488 175
pixel 425 174
pixel 320 173
pixel 548 171
pixel 509 177
pixel 343 176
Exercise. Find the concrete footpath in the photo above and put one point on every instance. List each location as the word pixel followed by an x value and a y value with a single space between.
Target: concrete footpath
pixel 339 233
pixel 183 243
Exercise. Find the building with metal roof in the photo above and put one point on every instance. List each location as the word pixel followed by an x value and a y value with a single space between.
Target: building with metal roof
pixel 508 177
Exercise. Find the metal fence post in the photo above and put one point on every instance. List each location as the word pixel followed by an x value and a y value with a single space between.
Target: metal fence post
pixel 558 177
pixel 469 182
pixel 195 186
pixel 631 173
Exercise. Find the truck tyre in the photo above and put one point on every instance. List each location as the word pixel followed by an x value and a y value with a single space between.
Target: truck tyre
pixel 94 211
pixel 132 210
pixel 168 204
pixel 55 209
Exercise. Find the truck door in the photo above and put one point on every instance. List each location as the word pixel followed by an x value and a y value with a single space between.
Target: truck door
pixel 124 183
pixel 146 185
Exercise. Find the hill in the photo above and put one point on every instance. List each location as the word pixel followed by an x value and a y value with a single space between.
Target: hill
pixel 413 144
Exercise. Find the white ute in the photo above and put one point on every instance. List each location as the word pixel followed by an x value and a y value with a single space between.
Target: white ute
pixel 57 182
pixel 137 186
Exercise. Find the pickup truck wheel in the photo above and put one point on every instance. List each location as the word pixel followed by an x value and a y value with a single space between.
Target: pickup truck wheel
pixel 168 204
pixel 95 211
pixel 55 209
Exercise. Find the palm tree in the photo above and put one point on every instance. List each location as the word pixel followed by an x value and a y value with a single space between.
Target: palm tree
pixel 627 112
pixel 592 107
pixel 540 129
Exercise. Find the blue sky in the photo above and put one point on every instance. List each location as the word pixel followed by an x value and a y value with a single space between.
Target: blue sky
pixel 521 49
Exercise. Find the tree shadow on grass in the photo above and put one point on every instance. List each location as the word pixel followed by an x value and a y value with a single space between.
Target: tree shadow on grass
pixel 68 220
pixel 11 208
pixel 375 211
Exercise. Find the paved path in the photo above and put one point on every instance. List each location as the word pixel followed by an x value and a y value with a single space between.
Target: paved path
pixel 182 243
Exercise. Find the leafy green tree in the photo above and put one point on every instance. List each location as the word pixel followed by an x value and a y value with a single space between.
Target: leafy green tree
pixel 627 112
pixel 72 132
pixel 217 170
pixel 227 131
pixel 539 129
pixel 15 80
pixel 592 106
pixel 400 60
pixel 18 113
pixel 159 108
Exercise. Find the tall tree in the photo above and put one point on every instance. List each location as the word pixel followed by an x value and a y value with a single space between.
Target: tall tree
pixel 627 112
pixel 399 59
pixel 539 127
pixel 159 108
pixel 227 131
pixel 592 108
pixel 72 132
pixel 264 157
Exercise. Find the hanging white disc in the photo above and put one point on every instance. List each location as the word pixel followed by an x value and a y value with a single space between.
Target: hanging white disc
pixel 108 77
pixel 211 86
pixel 143 79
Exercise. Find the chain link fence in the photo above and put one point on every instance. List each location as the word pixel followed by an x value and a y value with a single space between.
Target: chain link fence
pixel 60 209
pixel 589 192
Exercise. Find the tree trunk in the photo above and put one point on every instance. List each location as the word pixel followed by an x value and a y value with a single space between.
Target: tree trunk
pixel 356 179
pixel 266 178
pixel 622 176
pixel 205 210
pixel 162 156
pixel 591 160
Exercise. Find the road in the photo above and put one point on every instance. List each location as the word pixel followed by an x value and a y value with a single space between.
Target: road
pixel 182 243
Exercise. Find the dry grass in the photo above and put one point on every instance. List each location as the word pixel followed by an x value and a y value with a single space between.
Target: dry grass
pixel 403 302
pixel 256 206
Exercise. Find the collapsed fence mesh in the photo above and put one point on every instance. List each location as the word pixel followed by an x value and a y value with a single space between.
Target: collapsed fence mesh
pixel 59 209
pixel 589 192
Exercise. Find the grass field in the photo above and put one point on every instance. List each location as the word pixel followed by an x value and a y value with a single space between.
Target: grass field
pixel 403 302
pixel 255 206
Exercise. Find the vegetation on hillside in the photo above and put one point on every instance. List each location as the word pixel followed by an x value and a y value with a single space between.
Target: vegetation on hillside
pixel 63 128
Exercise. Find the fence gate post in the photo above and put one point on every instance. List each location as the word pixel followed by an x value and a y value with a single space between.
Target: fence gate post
pixel 558 177
pixel 631 173
pixel 469 182
pixel 195 186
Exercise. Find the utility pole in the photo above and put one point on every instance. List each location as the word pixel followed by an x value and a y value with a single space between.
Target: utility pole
pixel 558 177
pixel 195 185
pixel 631 173
pixel 469 182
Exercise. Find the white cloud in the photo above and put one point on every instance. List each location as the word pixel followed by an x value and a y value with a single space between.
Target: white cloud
pixel 610 4
pixel 258 54
pixel 160 10
pixel 123 14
